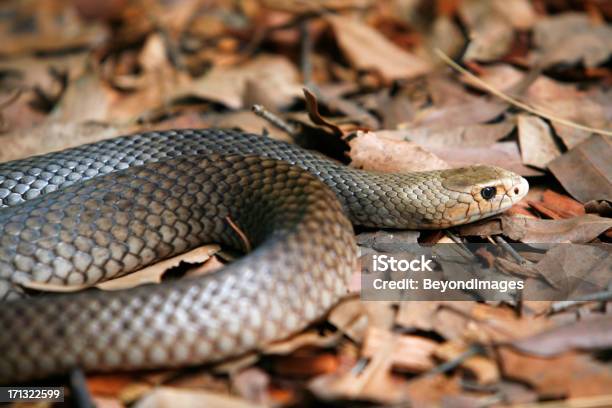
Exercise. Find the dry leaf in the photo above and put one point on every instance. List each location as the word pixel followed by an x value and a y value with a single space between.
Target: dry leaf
pixel 51 136
pixel 150 274
pixel 586 170
pixel 577 230
pixel 166 397
pixel 375 151
pixel 228 85
pixel 538 146
pixel 482 368
pixel 491 33
pixel 154 273
pixel 566 376
pixel 410 353
pixel 478 135
pixel 582 40
pixel 589 334
pixel 366 48
pixel 501 154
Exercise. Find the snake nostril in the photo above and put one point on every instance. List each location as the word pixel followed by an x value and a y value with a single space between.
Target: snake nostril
pixel 516 190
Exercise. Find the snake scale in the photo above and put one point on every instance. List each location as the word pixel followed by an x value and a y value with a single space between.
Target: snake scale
pixel 103 210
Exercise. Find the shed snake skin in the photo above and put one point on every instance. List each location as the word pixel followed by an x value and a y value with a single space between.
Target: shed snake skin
pixel 103 210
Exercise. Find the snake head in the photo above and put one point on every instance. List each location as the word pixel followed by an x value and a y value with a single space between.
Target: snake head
pixel 480 191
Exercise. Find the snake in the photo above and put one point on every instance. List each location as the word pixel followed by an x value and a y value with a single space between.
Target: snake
pixel 99 211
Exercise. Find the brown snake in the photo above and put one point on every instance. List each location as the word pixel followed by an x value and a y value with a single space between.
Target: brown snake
pixel 100 211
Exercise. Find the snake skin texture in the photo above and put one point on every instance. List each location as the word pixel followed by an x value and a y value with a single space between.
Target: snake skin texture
pixel 100 211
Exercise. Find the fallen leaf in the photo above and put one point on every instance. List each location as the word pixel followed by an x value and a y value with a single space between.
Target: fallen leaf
pixel 252 384
pixel 410 353
pixel 388 241
pixel 501 154
pixel 586 170
pixel 150 274
pixel 228 85
pixel 472 112
pixel 490 33
pixel 313 113
pixel 577 230
pixel 374 151
pixel 538 146
pixel 87 98
pixel 587 334
pixel 478 135
pixel 431 390
pixel 483 369
pixel 574 271
pixel 565 376
pixel 582 40
pixel 51 136
pixel 366 49
pixel 309 338
pixel 154 273
pixel 163 397
pixel 557 206
pixel 375 382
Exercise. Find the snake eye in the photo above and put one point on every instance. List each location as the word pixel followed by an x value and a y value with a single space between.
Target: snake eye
pixel 488 192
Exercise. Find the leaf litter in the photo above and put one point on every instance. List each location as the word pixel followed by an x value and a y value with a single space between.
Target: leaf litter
pixel 379 94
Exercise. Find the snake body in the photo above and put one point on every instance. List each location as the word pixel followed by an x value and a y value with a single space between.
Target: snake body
pixel 102 210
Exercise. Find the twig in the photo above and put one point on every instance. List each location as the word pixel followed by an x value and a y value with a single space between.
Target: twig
pixel 508 248
pixel 306 50
pixel 241 234
pixel 274 120
pixel 455 362
pixel 591 297
pixel 516 102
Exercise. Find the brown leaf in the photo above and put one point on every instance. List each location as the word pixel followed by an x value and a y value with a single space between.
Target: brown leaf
pixel 375 151
pixel 538 146
pixel 577 230
pixel 150 274
pixel 375 382
pixel 491 25
pixel 471 112
pixel 309 338
pixel 228 85
pixel 588 334
pixel 501 154
pixel 586 170
pixel 432 390
pixel 574 270
pixel 51 136
pixel 166 397
pixel 366 48
pixel 582 40
pixel 569 375
pixel 154 273
pixel 313 113
pixel 410 353
pixel 482 368
pixel 557 206
pixel 461 136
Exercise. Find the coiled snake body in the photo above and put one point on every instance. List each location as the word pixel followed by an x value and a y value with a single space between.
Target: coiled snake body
pixel 103 210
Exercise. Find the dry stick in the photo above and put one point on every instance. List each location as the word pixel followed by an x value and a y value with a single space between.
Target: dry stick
pixel 241 234
pixel 516 102
pixel 508 248
pixel 274 120
pixel 306 50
